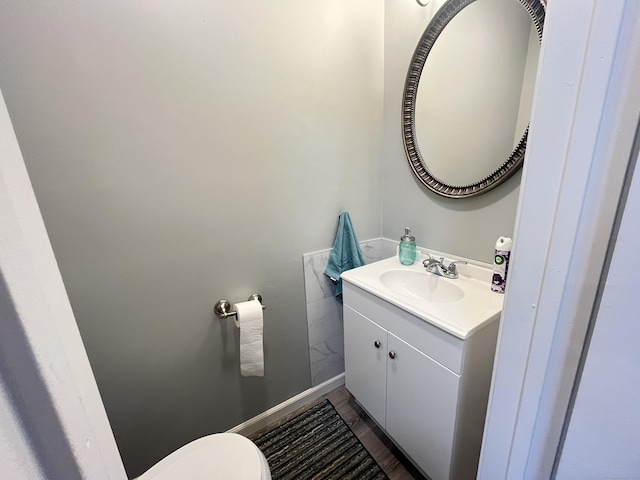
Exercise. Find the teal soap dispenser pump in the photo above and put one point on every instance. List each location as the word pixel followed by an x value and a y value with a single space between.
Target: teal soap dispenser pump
pixel 407 250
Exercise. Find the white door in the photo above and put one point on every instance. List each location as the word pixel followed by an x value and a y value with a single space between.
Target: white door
pixel 421 407
pixel 365 357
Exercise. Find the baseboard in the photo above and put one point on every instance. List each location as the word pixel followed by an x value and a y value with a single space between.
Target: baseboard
pixel 275 413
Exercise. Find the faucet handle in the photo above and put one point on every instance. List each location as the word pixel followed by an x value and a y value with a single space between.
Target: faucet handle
pixel 453 266
pixel 432 261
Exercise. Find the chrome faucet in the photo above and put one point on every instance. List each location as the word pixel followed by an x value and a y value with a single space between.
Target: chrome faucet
pixel 438 267
pixel 435 266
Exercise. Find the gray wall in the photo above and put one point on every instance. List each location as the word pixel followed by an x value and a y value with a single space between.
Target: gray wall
pixel 182 153
pixel 467 228
pixel 186 152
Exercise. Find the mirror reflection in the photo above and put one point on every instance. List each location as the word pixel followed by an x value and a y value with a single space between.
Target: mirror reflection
pixel 473 97
pixel 475 92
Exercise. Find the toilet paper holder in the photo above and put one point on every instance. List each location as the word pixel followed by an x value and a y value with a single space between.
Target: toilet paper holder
pixel 222 308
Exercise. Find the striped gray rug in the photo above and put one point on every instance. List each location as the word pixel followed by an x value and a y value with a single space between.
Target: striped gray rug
pixel 317 444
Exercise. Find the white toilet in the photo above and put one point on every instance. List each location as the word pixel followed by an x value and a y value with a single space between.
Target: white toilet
pixel 223 456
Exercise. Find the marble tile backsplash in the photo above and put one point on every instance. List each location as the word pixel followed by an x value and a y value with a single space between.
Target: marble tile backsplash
pixel 324 312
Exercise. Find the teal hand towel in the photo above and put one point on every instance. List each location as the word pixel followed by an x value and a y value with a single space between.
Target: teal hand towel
pixel 346 253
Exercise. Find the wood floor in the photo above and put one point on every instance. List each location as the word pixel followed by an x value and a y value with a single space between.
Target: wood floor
pixel 383 450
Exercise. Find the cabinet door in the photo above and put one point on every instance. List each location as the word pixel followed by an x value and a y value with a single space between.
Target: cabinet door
pixel 365 359
pixel 421 407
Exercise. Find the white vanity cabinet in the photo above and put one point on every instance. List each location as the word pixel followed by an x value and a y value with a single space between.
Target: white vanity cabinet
pixel 425 387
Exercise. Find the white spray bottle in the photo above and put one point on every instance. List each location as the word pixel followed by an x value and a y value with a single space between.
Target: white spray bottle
pixel 501 264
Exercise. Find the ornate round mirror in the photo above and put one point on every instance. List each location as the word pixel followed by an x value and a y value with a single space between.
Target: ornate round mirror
pixel 468 93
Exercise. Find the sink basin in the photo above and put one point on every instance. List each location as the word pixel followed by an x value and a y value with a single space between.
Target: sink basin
pixel 459 306
pixel 426 286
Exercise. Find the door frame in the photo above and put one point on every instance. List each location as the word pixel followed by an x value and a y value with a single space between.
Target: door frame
pixel 45 374
pixel 585 115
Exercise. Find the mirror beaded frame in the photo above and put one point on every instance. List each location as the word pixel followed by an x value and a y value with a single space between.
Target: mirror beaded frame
pixel 441 19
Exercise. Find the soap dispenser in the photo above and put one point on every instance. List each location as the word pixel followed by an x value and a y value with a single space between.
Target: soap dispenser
pixel 407 250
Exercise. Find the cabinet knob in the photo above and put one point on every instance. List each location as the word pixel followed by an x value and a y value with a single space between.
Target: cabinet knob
pixel 392 355
pixel 376 344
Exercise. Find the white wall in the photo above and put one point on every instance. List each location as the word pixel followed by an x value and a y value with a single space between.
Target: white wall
pixel 602 439
pixel 467 228
pixel 187 152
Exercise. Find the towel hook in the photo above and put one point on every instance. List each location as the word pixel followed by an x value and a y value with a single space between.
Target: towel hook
pixel 222 307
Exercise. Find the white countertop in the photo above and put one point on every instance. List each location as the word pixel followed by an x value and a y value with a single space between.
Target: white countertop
pixel 477 308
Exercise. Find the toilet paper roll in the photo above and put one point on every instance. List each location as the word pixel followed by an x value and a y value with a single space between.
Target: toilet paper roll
pixel 249 320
